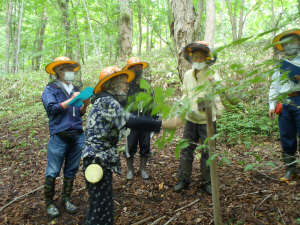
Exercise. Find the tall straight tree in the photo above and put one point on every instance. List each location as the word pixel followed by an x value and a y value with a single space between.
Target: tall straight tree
pixel 91 29
pixel 210 24
pixel 19 29
pixel 197 30
pixel 125 29
pixel 8 26
pixel 140 28
pixel 182 30
pixel 41 40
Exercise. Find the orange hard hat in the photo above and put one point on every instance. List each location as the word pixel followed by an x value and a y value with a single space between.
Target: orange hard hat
pixel 198 45
pixel 59 61
pixel 110 72
pixel 283 34
pixel 134 61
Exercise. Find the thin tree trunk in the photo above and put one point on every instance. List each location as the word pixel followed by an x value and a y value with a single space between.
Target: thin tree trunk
pixel 19 37
pixel 140 29
pixel 210 22
pixel 232 19
pixel 13 37
pixel 77 51
pixel 181 27
pixel 222 23
pixel 241 23
pixel 95 46
pixel 8 26
pixel 34 49
pixel 41 41
pixel 147 43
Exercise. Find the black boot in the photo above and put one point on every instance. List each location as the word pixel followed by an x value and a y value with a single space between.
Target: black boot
pixel 66 195
pixel 207 189
pixel 291 167
pixel 130 171
pixel 49 189
pixel 180 186
pixel 143 163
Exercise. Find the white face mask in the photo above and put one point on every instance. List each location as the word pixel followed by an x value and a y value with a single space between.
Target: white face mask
pixel 199 66
pixel 69 76
pixel 290 49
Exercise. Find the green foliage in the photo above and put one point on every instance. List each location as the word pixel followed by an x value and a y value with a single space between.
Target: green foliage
pixel 248 121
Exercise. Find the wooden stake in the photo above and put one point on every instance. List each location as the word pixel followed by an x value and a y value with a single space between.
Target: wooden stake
pixel 213 164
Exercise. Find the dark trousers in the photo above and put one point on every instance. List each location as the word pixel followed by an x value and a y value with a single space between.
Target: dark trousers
pixel 289 125
pixel 193 133
pixel 101 210
pixel 138 137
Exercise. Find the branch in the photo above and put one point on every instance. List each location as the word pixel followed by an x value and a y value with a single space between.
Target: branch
pixel 20 197
pixel 143 221
pixel 156 31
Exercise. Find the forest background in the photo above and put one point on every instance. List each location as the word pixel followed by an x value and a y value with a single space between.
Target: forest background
pixel 102 33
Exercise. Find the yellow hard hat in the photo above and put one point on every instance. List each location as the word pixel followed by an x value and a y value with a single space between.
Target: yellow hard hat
pixel 59 61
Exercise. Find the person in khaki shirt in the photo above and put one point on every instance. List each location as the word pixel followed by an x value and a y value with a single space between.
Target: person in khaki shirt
pixel 201 75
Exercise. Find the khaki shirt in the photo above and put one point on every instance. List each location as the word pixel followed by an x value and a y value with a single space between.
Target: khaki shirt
pixel 189 93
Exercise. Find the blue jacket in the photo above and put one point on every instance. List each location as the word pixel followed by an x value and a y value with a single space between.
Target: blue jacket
pixel 60 119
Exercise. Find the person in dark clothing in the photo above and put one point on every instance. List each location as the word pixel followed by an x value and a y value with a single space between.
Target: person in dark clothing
pixel 106 121
pixel 66 133
pixel 137 137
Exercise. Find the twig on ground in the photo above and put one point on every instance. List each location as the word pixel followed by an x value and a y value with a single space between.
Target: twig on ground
pixel 256 192
pixel 169 221
pixel 281 215
pixel 267 176
pixel 264 200
pixel 157 220
pixel 20 197
pixel 143 221
pixel 192 203
pixel 117 202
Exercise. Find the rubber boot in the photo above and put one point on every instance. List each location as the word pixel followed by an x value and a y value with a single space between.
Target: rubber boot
pixel 66 195
pixel 290 166
pixel 130 171
pixel 180 186
pixel 49 190
pixel 143 163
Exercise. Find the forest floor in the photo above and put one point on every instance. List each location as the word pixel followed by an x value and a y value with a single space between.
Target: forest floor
pixel 246 197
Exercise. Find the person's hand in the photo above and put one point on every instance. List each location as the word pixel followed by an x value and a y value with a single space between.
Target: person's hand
pixel 211 79
pixel 172 123
pixel 272 114
pixel 74 95
pixel 86 102
pixel 297 77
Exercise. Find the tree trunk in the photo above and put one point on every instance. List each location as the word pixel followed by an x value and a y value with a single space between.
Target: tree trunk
pixel 95 46
pixel 34 49
pixel 197 30
pixel 181 27
pixel 140 29
pixel 19 29
pixel 241 23
pixel 41 41
pixel 148 41
pixel 78 46
pixel 13 37
pixel 232 19
pixel 222 23
pixel 8 26
pixel 64 7
pixel 210 24
pixel 125 29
